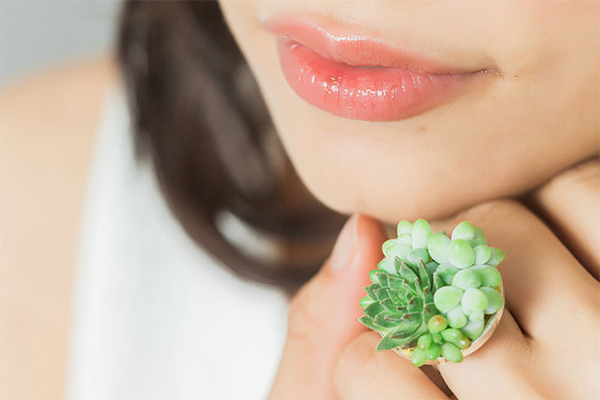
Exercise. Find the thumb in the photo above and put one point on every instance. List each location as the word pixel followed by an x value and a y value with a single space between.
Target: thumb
pixel 322 316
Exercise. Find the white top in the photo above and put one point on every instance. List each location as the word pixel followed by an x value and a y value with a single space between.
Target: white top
pixel 155 317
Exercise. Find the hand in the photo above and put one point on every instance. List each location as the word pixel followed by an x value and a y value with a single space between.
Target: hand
pixel 545 346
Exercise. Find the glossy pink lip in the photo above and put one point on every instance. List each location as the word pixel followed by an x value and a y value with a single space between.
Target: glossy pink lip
pixel 358 76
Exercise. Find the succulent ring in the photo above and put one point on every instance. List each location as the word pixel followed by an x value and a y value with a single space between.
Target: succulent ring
pixel 435 298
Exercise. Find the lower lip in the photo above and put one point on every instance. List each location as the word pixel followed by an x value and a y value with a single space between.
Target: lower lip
pixel 364 93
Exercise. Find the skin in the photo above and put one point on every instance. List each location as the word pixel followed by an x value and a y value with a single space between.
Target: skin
pixel 540 111
pixel 516 155
pixel 543 111
pixel 37 259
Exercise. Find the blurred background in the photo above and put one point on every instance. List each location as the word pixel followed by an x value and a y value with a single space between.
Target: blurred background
pixel 38 34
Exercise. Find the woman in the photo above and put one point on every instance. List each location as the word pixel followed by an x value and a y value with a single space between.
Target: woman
pixel 486 112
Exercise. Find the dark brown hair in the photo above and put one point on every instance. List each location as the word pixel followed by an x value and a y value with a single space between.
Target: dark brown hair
pixel 199 118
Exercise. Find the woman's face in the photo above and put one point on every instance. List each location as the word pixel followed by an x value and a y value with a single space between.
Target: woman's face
pixel 426 149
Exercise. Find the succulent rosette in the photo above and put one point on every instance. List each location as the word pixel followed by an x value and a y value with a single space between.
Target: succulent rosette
pixel 432 296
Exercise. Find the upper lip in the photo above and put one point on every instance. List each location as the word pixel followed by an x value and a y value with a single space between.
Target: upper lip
pixel 340 45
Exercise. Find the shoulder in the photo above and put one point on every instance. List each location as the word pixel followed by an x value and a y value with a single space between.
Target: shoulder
pixel 46 137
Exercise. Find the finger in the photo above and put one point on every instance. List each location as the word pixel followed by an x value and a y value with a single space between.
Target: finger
pixel 362 373
pixel 322 317
pixel 542 279
pixel 505 357
pixel 570 203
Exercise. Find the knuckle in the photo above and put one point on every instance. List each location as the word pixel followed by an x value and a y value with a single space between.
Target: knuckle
pixel 583 177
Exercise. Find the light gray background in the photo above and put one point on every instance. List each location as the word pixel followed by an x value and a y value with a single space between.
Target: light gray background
pixel 38 34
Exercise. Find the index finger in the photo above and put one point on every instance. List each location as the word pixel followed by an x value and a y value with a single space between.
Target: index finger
pixel 570 204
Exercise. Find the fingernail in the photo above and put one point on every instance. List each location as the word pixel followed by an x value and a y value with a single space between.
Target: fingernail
pixel 345 246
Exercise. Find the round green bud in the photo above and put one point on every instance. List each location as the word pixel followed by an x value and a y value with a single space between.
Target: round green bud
pixel 496 257
pixel 463 343
pixel 405 238
pixel 474 299
pixel 416 255
pixel 433 352
pixel 464 231
pixel 400 250
pixel 437 338
pixel 418 357
pixel 460 254
pixel 424 342
pixel 495 301
pixel 490 276
pixel 452 335
pixel 456 317
pixel 437 323
pixel 446 272
pixel 387 246
pixel 404 226
pixel 446 298
pixel 473 329
pixel 476 315
pixel 479 236
pixel 466 279
pixel 451 352
pixel 437 245
pixel 387 265
pixel 420 233
pixel 482 254
pixel 466 310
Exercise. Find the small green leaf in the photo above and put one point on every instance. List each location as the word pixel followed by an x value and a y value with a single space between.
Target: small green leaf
pixel 382 294
pixel 496 257
pixel 466 279
pixel 464 231
pixel 437 282
pixel 368 322
pixel 387 265
pixel 387 343
pixel 390 305
pixel 424 275
pixel 404 226
pixel 365 301
pixel 415 304
pixel 437 245
pixel 404 331
pixel 420 233
pixel 446 271
pixel 482 254
pixel 394 282
pixel 373 309
pixel 411 317
pixel 371 290
pixel 373 276
pixel 386 319
pixel 427 296
pixel 460 254
pixel 474 299
pixel 495 301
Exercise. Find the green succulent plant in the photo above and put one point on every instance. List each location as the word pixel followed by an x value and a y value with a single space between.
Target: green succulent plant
pixel 431 293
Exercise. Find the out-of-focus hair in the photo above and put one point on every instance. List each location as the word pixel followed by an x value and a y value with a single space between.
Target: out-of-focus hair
pixel 199 118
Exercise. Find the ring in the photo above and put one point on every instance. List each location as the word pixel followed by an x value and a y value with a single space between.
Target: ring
pixel 435 298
